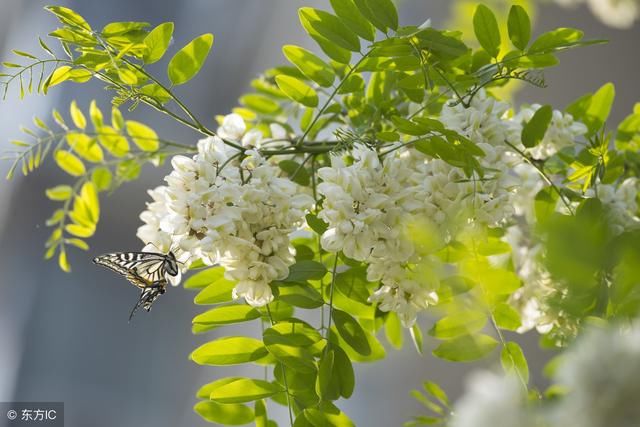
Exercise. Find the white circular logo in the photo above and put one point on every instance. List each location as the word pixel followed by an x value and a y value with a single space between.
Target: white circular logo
pixel 12 415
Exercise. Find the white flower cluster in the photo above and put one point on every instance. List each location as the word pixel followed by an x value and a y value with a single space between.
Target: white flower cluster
pixel 370 202
pixel 492 400
pixel 614 13
pixel 601 372
pixel 562 132
pixel 620 202
pixel 237 214
pixel 367 205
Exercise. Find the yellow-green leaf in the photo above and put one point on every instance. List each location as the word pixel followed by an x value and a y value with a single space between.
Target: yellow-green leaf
pixel 157 42
pixel 59 75
pixel 112 141
pixel 87 147
pixel 89 196
pixel 69 163
pixel 142 135
pixel 229 351
pixel 297 90
pixel 59 193
pixel 76 115
pixel 189 60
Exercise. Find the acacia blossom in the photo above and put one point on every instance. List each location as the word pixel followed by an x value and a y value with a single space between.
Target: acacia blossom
pixel 601 373
pixel 230 212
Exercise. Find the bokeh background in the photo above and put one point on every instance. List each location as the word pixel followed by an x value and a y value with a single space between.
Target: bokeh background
pixel 65 337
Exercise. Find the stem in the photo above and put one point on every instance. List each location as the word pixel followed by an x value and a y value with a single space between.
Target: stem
pixel 504 345
pixel 333 94
pixel 543 174
pixel 284 373
pixel 333 282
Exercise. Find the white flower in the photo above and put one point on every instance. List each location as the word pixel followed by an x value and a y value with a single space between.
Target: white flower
pixel 482 122
pixel 562 132
pixel 620 202
pixel 492 400
pixel 233 127
pixel 616 13
pixel 278 132
pixel 601 373
pixel 237 214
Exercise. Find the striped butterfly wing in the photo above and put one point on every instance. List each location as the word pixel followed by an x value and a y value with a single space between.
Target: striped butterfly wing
pixel 140 268
pixel 148 296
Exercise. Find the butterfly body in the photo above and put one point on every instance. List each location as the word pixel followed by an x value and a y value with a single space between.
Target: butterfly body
pixel 148 271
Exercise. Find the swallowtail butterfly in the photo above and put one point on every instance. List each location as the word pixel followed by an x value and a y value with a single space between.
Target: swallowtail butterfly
pixel 149 271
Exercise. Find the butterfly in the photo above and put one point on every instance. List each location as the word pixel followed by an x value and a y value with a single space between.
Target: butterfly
pixel 148 271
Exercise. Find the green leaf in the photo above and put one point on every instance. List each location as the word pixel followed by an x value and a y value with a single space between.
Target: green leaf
pixel 436 391
pixel 325 25
pixel 381 13
pixel 189 60
pixel 204 278
pixel 459 323
pixel 296 172
pixel 261 414
pixel 297 358
pixel 310 65
pixel 343 368
pixel 599 108
pixel 325 378
pixel 301 295
pixel 533 131
pixel 506 317
pixel 69 17
pixel 112 141
pixel 519 26
pixel 96 115
pixel 76 115
pixel 297 90
pixel 157 42
pixel 440 44
pixel 59 193
pixel 157 92
pixel 79 230
pixel 513 361
pixel 348 12
pixel 87 147
pixel 351 332
pixel 80 244
pixel 143 136
pixel 559 38
pixel 69 163
pixel 327 415
pixel 291 332
pixel 63 263
pixel 245 390
pixel 229 351
pixel 89 196
pixel 333 51
pixel 225 414
pixel 59 75
pixel 218 291
pixel 226 315
pixel 393 330
pixel 260 104
pixel 466 348
pixel 316 224
pixel 306 270
pixel 486 29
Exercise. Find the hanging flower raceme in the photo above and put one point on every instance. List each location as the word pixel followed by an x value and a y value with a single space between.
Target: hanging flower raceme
pixel 228 208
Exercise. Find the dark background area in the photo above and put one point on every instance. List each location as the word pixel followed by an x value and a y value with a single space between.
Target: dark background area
pixel 65 337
